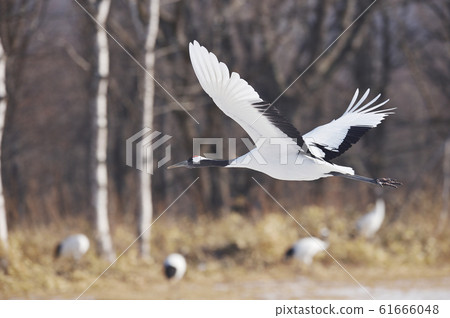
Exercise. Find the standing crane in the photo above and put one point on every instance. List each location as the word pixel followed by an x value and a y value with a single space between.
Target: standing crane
pixel 73 246
pixel 368 224
pixel 306 248
pixel 174 266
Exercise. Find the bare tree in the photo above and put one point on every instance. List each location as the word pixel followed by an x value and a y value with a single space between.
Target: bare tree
pixel 145 16
pixel 100 132
pixel 270 44
pixel 18 22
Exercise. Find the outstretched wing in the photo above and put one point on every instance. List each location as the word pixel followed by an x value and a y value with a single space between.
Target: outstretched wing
pixel 237 99
pixel 333 139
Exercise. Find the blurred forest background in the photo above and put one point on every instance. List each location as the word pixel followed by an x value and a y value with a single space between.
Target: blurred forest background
pixel 398 48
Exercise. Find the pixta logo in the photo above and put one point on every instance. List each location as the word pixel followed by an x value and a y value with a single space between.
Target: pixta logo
pixel 142 145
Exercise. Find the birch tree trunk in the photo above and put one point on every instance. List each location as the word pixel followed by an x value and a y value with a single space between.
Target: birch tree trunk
pixel 146 205
pixel 3 224
pixel 100 136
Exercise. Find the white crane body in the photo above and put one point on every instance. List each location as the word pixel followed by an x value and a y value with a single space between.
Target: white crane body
pixel 305 249
pixel 74 246
pixel 174 266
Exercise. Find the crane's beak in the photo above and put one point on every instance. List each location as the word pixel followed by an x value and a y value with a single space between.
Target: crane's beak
pixel 178 165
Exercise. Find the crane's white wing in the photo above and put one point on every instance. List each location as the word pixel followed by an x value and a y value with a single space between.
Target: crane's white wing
pixel 237 99
pixel 333 139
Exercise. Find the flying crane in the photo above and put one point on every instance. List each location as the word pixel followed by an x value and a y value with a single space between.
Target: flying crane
pixel 281 151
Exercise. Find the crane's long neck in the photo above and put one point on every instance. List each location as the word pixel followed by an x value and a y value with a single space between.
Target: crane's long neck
pixel 380 207
pixel 211 163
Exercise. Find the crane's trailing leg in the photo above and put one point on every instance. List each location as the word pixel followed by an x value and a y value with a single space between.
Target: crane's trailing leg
pixel 379 181
pixel 389 182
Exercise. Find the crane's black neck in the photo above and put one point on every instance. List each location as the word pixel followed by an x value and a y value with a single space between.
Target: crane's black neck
pixel 208 163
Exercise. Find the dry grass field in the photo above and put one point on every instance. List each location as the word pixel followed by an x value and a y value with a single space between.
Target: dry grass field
pixel 234 257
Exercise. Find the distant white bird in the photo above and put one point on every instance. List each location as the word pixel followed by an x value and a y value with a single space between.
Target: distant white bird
pixel 175 266
pixel 281 151
pixel 306 248
pixel 370 223
pixel 74 246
